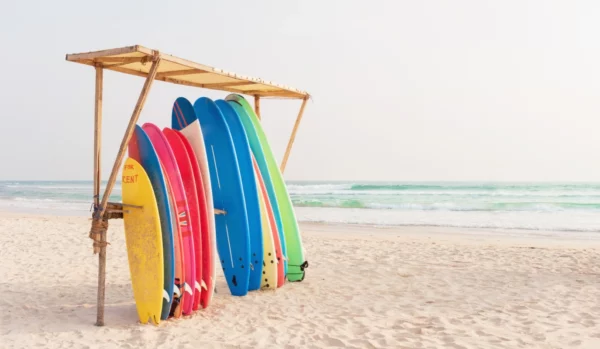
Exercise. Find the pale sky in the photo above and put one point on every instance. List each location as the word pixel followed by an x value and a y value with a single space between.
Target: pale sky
pixel 402 90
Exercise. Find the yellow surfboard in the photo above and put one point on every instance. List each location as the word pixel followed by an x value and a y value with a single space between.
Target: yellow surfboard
pixel 269 279
pixel 144 241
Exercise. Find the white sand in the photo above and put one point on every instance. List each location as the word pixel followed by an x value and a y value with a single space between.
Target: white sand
pixel 365 288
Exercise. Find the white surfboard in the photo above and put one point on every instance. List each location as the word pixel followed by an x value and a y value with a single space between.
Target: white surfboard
pixel 189 126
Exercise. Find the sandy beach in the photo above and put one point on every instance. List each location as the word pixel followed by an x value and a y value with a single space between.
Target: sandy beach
pixel 366 287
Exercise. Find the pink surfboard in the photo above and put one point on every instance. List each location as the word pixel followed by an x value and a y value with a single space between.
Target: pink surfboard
pixel 169 163
pixel 276 242
pixel 207 251
pixel 176 309
pixel 191 193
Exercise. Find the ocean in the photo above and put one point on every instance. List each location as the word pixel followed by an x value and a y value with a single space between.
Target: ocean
pixel 565 207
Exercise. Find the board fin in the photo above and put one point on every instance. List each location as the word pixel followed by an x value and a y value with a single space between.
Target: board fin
pixel 176 291
pixel 166 296
pixel 187 288
pixel 197 286
pixel 204 285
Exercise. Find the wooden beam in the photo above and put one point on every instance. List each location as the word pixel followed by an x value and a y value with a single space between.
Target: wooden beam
pixel 111 182
pixel 114 62
pixel 97 134
pixel 257 106
pixel 180 82
pixel 214 86
pixel 276 93
pixel 158 76
pixel 134 117
pixel 122 60
pixel 87 61
pixel 103 53
pixel 227 84
pixel 293 135
pixel 126 70
pixel 180 72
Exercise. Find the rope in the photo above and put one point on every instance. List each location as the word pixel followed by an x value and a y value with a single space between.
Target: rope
pixel 97 232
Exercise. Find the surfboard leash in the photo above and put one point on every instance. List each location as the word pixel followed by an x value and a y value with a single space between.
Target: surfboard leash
pixel 302 267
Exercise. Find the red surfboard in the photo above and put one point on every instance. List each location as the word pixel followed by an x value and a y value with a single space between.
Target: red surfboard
pixel 191 194
pixel 276 242
pixel 182 216
pixel 176 309
pixel 207 251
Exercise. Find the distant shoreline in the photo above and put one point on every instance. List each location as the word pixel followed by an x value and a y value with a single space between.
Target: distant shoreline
pixel 509 207
pixel 371 229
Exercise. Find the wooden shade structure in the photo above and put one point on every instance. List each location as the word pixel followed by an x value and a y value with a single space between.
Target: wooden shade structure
pixel 154 65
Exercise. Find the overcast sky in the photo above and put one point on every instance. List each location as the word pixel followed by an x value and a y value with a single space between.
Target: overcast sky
pixel 402 90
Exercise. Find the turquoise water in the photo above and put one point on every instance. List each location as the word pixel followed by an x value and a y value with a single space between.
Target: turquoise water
pixel 448 196
pixel 55 197
pixel 537 206
pixel 533 206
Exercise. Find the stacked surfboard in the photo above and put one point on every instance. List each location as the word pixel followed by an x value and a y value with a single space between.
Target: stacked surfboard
pixel 206 190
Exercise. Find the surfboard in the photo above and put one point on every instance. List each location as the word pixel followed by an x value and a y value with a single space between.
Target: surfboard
pixel 272 225
pixel 140 149
pixel 191 194
pixel 183 118
pixel 143 238
pixel 269 271
pixel 259 155
pixel 169 163
pixel 294 251
pixel 206 246
pixel 176 306
pixel 233 238
pixel 253 209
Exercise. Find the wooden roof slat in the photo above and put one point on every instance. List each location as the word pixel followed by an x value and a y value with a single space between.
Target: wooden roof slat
pixel 181 72
pixel 122 60
pixel 127 71
pixel 134 60
pixel 103 53
pixel 265 92
pixel 228 84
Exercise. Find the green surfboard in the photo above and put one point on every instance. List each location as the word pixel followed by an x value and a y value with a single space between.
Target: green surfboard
pixel 293 240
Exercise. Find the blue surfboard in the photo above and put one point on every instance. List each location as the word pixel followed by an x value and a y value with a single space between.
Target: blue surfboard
pixel 264 170
pixel 244 157
pixel 233 236
pixel 141 149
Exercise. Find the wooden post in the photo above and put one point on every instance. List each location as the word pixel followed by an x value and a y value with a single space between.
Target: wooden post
pixel 97 153
pixel 257 106
pixel 111 182
pixel 97 134
pixel 293 135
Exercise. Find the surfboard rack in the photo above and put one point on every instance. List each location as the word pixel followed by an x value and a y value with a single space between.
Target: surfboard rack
pixel 144 62
pixel 115 210
pixel 130 206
